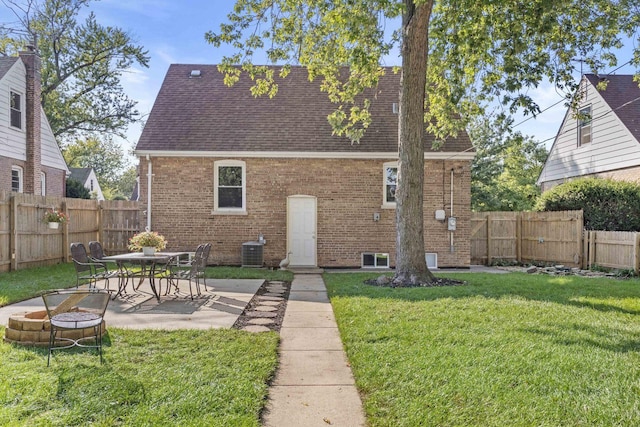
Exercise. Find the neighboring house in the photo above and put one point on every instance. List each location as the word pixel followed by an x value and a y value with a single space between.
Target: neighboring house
pixel 30 159
pixel 603 140
pixel 88 178
pixel 225 167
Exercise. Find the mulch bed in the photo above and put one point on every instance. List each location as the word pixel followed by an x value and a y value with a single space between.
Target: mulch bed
pixel 271 294
pixel 386 281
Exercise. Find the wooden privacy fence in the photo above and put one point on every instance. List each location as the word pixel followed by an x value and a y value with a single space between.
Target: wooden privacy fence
pixel 550 237
pixel 527 237
pixel 26 241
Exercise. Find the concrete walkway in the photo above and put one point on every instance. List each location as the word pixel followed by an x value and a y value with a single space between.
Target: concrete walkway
pixel 314 385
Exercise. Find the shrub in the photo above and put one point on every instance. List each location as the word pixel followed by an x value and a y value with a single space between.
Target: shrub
pixel 76 190
pixel 607 204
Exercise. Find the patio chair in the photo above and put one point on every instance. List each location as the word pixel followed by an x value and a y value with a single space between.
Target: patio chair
pixel 123 272
pixel 76 319
pixel 203 265
pixel 175 273
pixel 87 269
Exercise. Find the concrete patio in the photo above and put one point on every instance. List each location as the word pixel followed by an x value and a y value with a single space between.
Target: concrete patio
pixel 218 307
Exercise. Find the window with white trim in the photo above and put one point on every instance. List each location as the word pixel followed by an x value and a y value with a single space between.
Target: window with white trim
pixel 230 185
pixel 16 179
pixel 390 184
pixel 584 126
pixel 15 104
pixel 375 260
pixel 43 183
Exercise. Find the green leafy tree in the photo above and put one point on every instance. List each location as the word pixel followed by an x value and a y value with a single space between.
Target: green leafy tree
pixel 506 167
pixel 77 190
pixel 462 51
pixel 82 63
pixel 106 158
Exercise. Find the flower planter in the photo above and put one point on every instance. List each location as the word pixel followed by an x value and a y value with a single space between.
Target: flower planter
pixel 54 225
pixel 148 250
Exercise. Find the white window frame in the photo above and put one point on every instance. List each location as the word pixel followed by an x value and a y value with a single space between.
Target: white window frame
pixel 585 124
pixel 385 203
pixel 20 178
pixel 43 183
pixel 376 255
pixel 20 110
pixel 229 211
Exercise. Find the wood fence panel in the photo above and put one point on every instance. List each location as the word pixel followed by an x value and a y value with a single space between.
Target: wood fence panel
pixel 613 249
pixel 26 241
pixel 5 231
pixel 479 238
pixel 120 221
pixel 527 236
pixel 554 237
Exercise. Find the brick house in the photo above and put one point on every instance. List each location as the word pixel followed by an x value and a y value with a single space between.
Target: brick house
pixel 219 165
pixel 30 159
pixel 604 141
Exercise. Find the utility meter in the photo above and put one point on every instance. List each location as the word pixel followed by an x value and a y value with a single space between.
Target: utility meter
pixel 451 223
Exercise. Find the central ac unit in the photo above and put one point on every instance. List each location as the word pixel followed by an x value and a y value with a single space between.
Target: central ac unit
pixel 252 254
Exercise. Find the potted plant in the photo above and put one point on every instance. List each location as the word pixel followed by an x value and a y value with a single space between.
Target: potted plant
pixel 54 218
pixel 147 241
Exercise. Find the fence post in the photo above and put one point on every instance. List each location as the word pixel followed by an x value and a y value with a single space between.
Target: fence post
pixel 636 254
pixel 13 232
pixel 592 248
pixel 65 233
pixel 519 237
pixel 489 239
pixel 99 207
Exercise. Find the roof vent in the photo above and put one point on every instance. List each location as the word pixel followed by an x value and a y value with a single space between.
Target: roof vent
pixel 394 108
pixel 195 73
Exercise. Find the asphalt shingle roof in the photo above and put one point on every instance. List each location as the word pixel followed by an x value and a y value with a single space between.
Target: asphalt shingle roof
pixel 80 174
pixel 6 62
pixel 623 96
pixel 202 114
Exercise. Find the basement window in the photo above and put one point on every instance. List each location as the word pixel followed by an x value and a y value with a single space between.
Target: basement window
pixel 375 260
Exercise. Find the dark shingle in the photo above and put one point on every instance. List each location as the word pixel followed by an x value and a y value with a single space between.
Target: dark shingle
pixel 6 62
pixel 202 114
pixel 623 96
pixel 80 174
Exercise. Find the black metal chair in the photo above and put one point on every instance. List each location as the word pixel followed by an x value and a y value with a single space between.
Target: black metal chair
pixel 124 272
pixel 76 316
pixel 87 269
pixel 176 272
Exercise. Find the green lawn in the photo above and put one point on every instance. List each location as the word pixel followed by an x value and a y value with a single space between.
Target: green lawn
pixel 24 284
pixel 504 350
pixel 149 378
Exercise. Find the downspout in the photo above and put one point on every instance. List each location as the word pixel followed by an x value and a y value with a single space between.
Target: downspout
pixel 451 232
pixel 149 179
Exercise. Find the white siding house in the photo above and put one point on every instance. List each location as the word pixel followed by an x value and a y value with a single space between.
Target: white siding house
pixel 603 140
pixel 27 145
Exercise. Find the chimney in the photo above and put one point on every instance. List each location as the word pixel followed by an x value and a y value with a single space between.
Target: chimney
pixel 33 121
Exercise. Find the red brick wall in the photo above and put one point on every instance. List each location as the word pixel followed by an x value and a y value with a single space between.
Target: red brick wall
pixel 56 181
pixel 348 193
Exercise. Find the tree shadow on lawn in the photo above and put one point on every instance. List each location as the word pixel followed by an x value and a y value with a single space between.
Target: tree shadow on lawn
pixel 602 294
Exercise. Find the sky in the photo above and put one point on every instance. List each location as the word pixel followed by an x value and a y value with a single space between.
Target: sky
pixel 173 32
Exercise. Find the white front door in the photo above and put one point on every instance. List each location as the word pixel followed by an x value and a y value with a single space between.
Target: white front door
pixel 301 230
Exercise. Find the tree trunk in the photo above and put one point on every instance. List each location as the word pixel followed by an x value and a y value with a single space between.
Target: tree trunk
pixel 411 266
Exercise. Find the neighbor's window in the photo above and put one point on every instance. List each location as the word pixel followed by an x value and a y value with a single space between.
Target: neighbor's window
pixel 16 110
pixel 229 186
pixel 584 126
pixel 43 183
pixel 390 172
pixel 16 179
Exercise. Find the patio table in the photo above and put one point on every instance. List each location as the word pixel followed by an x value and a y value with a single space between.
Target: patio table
pixel 148 263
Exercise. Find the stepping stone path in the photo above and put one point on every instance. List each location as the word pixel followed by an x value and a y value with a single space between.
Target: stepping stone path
pixel 265 311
